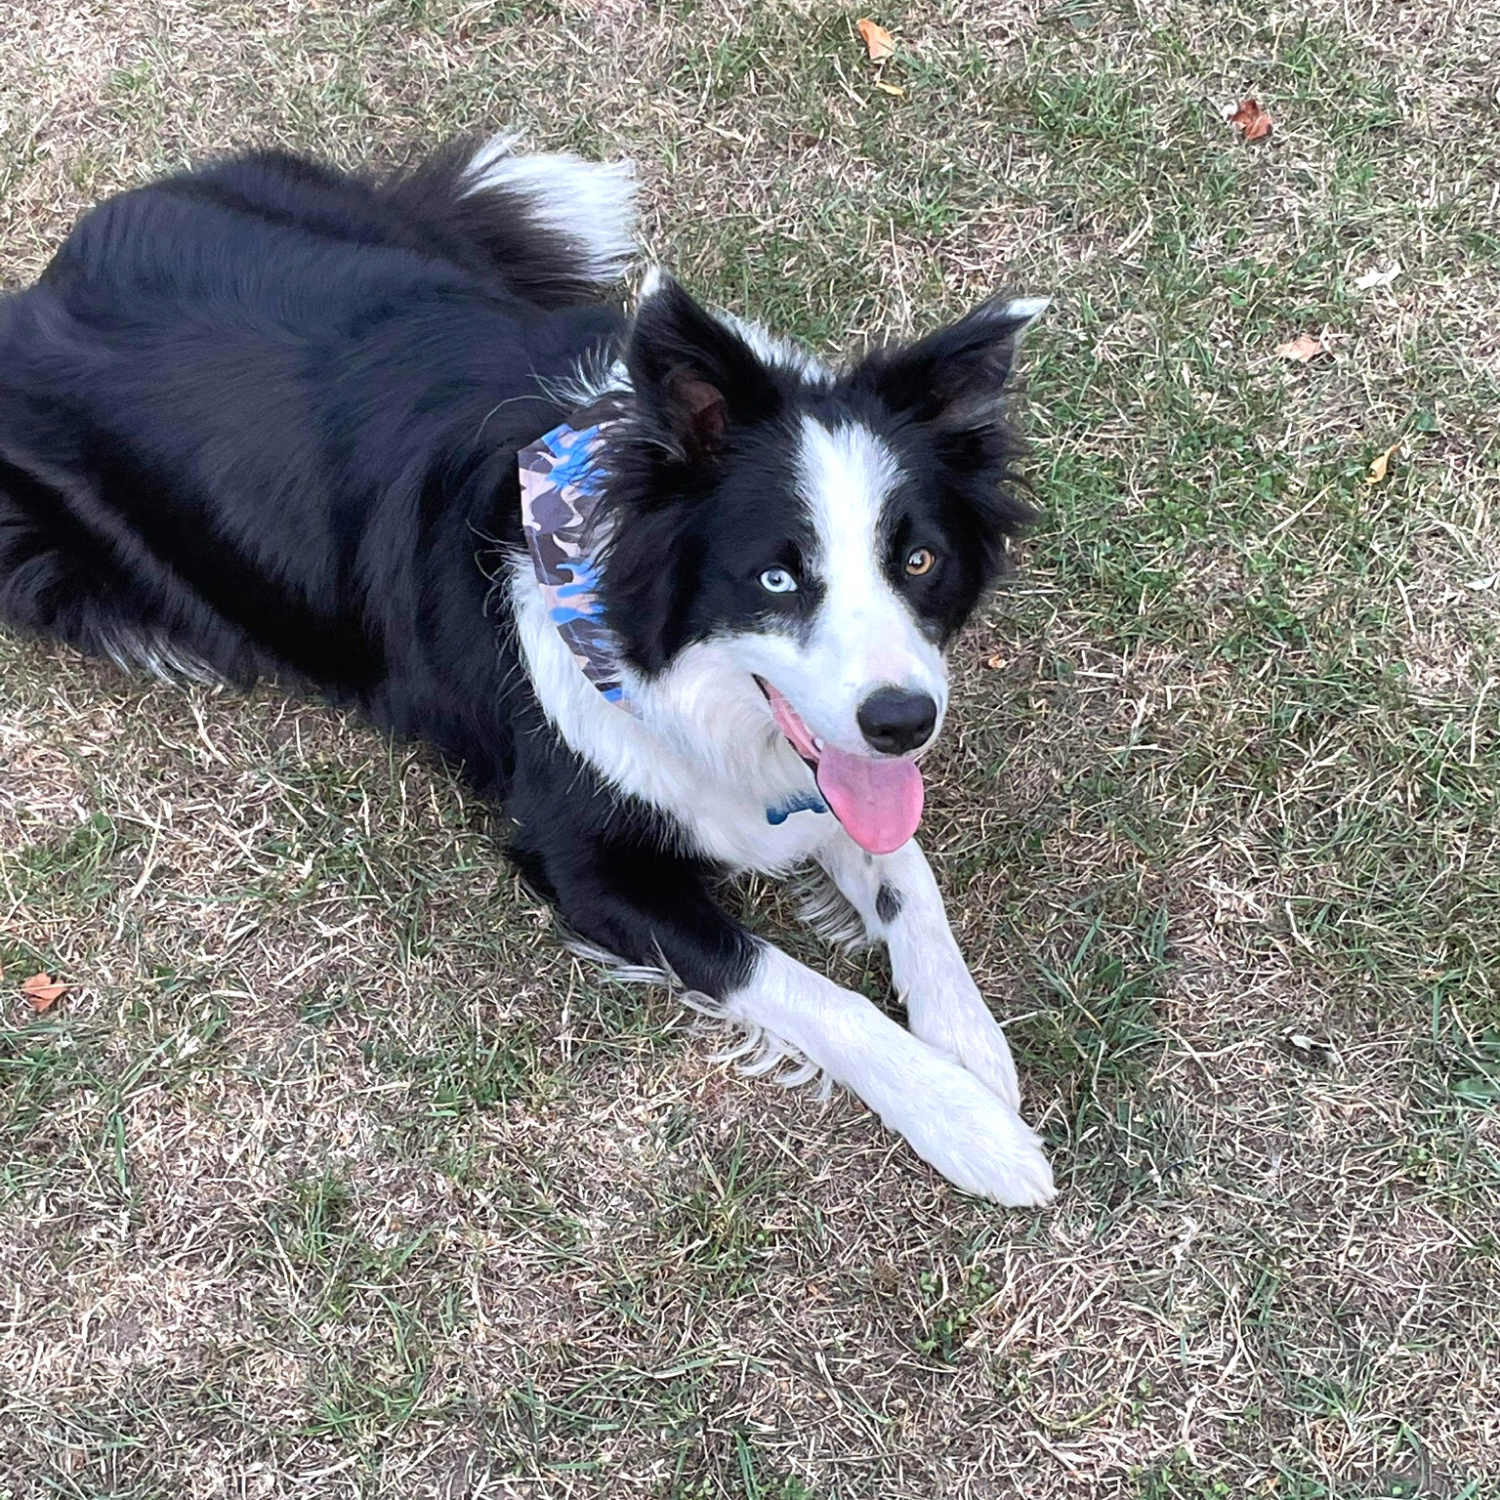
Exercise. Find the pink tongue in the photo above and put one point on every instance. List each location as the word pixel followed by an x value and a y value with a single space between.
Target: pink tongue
pixel 879 802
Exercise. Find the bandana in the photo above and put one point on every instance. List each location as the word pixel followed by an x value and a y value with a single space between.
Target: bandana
pixel 560 493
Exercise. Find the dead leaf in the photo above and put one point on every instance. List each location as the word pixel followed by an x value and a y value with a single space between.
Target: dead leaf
pixel 1303 348
pixel 890 88
pixel 42 992
pixel 1380 464
pixel 995 662
pixel 1251 120
pixel 879 43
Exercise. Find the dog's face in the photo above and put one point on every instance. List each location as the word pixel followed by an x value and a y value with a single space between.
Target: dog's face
pixel 826 533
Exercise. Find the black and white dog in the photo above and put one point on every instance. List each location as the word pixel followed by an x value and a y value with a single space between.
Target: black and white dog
pixel 672 590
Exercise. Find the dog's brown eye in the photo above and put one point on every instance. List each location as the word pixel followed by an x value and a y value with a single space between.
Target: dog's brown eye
pixel 919 561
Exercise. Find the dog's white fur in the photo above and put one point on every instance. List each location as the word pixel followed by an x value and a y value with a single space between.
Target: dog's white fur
pixel 864 636
pixel 704 750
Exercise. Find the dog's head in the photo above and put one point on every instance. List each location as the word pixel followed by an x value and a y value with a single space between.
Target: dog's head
pixel 824 533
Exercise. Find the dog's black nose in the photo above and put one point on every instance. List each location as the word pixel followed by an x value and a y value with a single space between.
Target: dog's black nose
pixel 894 721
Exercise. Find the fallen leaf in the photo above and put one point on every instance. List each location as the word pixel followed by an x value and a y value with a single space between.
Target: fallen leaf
pixel 995 662
pixel 890 88
pixel 1303 348
pixel 1380 464
pixel 1251 120
pixel 1378 278
pixel 879 43
pixel 42 993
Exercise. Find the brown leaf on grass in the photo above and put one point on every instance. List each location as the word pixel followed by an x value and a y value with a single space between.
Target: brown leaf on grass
pixel 1251 120
pixel 879 43
pixel 42 992
pixel 1303 348
pixel 1380 465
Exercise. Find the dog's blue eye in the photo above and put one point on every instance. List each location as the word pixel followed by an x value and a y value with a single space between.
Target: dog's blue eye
pixel 778 581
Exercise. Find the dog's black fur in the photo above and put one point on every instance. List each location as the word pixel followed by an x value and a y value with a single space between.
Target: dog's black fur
pixel 263 418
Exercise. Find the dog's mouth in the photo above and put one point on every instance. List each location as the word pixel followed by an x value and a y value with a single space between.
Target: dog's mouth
pixel 879 801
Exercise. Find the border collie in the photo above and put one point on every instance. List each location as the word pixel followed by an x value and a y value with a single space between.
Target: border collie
pixel 671 590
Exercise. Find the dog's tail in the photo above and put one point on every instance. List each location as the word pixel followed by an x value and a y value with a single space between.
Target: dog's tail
pixel 556 228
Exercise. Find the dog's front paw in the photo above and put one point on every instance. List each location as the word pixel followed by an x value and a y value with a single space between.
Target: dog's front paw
pixel 962 1028
pixel 977 1142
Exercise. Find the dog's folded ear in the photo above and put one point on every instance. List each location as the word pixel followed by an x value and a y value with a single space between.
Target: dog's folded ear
pixel 955 378
pixel 694 377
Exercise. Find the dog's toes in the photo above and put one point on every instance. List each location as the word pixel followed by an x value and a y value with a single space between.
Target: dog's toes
pixel 1015 1174
pixel 994 1067
pixel 1026 1181
pixel 979 1143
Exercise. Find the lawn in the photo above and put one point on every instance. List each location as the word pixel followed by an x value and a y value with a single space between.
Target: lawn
pixel 332 1175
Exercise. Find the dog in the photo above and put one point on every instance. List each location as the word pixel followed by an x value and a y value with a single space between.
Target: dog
pixel 671 590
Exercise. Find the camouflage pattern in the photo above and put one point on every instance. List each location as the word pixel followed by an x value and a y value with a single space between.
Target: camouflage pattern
pixel 560 491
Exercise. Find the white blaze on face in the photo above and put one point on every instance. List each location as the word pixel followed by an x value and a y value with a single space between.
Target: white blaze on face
pixel 860 638
pixel 864 637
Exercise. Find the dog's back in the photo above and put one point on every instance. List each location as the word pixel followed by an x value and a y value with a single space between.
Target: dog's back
pixel 235 396
pixel 508 220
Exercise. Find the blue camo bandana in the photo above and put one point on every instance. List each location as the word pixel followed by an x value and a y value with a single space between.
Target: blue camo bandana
pixel 560 493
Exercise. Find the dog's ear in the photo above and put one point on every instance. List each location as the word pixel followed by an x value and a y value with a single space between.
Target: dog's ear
pixel 693 377
pixel 955 378
pixel 953 383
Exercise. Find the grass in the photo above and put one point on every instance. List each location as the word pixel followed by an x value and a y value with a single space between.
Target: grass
pixel 332 1175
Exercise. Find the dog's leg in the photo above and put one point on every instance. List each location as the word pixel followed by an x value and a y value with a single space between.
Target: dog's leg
pixel 653 908
pixel 900 905
pixel 951 1119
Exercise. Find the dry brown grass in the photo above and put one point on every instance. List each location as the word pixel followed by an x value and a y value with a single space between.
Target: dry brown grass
pixel 333 1175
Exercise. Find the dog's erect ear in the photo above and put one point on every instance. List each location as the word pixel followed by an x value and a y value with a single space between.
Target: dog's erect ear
pixel 954 378
pixel 692 375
